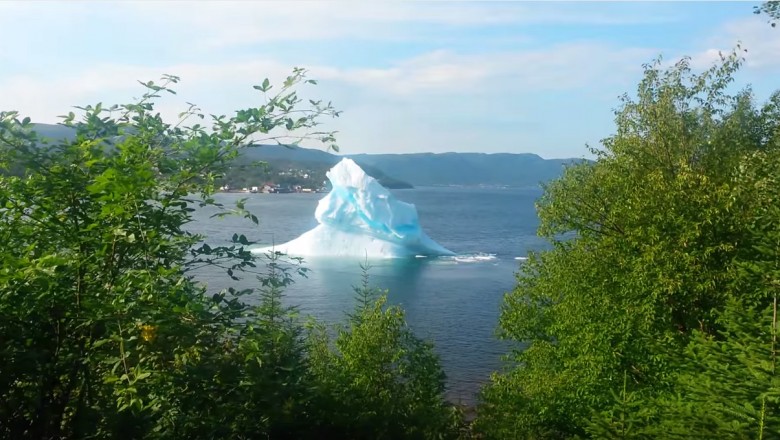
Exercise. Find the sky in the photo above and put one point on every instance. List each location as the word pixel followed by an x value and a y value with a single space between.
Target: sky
pixel 517 77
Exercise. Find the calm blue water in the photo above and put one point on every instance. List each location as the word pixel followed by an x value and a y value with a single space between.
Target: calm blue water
pixel 452 302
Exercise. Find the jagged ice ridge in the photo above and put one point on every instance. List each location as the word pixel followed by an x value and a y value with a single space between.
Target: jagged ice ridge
pixel 361 218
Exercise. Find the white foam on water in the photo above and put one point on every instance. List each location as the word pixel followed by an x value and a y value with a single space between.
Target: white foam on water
pixel 471 258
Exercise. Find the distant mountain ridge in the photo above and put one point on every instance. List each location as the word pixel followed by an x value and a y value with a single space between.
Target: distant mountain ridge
pixel 52 131
pixel 434 169
pixel 419 169
pixel 469 169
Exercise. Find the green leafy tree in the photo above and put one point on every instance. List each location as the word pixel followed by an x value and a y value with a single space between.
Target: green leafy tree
pixel 646 248
pixel 260 383
pixel 728 385
pixel 771 9
pixel 105 332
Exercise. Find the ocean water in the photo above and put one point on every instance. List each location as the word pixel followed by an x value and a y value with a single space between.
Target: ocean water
pixel 452 301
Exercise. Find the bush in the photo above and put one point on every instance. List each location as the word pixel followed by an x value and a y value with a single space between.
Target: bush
pixel 377 380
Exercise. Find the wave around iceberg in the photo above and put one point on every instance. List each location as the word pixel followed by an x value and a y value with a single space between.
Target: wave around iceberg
pixel 361 218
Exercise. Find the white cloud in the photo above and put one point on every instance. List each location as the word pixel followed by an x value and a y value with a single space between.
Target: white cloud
pixel 439 101
pixel 225 85
pixel 43 96
pixel 754 34
pixel 560 67
pixel 461 97
pixel 228 23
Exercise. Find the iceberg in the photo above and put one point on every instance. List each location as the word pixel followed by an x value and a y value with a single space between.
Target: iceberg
pixel 361 218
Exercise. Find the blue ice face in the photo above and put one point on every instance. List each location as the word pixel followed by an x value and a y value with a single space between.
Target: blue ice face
pixel 376 213
pixel 361 218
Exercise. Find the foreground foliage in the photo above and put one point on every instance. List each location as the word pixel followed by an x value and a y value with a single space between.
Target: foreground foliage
pixel 770 9
pixel 659 253
pixel 106 332
pixel 375 362
pixel 653 316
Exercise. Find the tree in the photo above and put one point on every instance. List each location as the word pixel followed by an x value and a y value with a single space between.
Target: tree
pixel 105 331
pixel 259 383
pixel 647 243
pixel 771 9
pixel 379 381
pixel 728 385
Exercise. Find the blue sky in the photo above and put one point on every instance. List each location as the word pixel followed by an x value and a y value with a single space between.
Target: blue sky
pixel 538 77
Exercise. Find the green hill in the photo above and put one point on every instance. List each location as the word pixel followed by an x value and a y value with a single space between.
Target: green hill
pixel 467 169
pixel 392 170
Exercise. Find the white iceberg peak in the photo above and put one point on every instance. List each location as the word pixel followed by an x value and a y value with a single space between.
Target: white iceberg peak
pixel 361 218
pixel 347 173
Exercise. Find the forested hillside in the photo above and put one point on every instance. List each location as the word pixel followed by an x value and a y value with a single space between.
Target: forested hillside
pixel 519 170
pixel 392 170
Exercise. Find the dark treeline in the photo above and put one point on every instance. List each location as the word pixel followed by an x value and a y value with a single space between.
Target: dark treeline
pixel 658 319
pixel 246 173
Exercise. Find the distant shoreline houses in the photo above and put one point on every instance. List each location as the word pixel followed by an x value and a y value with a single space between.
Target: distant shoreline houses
pixel 272 188
pixel 292 181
